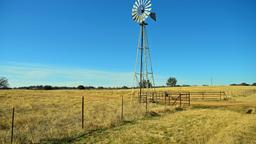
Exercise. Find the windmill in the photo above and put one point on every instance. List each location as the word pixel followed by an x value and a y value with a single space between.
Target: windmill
pixel 144 78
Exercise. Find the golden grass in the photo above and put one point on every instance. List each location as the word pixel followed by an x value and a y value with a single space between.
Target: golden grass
pixel 191 126
pixel 57 114
pixel 45 115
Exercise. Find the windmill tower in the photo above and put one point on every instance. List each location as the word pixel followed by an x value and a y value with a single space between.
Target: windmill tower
pixel 143 76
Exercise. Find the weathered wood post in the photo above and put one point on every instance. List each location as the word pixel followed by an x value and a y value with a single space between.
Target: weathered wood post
pixel 146 103
pixel 82 112
pixel 156 97
pixel 220 95
pixel 165 95
pixel 189 99
pixel 180 99
pixel 13 112
pixel 169 98
pixel 122 108
pixel 153 97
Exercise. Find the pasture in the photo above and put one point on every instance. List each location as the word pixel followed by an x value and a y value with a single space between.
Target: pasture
pixel 55 117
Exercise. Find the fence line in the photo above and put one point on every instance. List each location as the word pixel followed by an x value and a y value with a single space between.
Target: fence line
pixel 167 98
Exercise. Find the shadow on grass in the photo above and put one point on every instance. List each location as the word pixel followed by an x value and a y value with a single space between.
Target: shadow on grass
pixel 205 107
pixel 243 109
pixel 74 138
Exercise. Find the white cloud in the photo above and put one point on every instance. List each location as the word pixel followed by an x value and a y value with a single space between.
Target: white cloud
pixel 22 74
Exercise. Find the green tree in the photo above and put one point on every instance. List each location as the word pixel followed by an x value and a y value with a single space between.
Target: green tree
pixel 48 87
pixel 125 87
pixel 81 87
pixel 245 84
pixel 4 82
pixel 145 84
pixel 171 82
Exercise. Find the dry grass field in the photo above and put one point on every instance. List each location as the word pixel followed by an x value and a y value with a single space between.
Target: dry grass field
pixel 55 117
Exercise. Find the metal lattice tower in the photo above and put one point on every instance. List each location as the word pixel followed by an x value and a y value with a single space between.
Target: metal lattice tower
pixel 143 77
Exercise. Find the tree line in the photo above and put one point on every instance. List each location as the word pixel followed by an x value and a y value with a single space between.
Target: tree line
pixel 244 84
pixel 171 82
pixel 4 84
pixel 80 87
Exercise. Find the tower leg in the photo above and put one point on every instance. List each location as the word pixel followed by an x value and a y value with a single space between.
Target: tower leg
pixel 143 64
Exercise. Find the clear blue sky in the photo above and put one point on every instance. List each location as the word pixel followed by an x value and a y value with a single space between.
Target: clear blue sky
pixel 71 42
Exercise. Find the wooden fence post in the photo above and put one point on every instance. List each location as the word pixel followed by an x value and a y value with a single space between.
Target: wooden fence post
pixel 153 97
pixel 189 99
pixel 82 112
pixel 169 98
pixel 180 100
pixel 146 103
pixel 13 112
pixel 165 95
pixel 156 97
pixel 122 108
pixel 220 95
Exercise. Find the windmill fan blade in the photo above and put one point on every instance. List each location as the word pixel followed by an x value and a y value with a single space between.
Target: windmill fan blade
pixel 134 10
pixel 147 2
pixel 144 16
pixel 134 14
pixel 153 16
pixel 147 13
pixel 141 19
pixel 133 17
pixel 141 11
pixel 136 3
pixel 148 9
pixel 137 18
pixel 147 6
pixel 141 2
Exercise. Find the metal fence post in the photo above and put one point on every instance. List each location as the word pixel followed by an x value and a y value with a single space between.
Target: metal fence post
pixel 82 112
pixel 13 112
pixel 122 108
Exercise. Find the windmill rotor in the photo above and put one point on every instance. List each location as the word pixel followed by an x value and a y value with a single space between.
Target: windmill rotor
pixel 142 10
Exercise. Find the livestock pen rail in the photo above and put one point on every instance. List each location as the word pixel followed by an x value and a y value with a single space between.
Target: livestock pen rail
pixel 180 98
pixel 166 98
pixel 211 95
